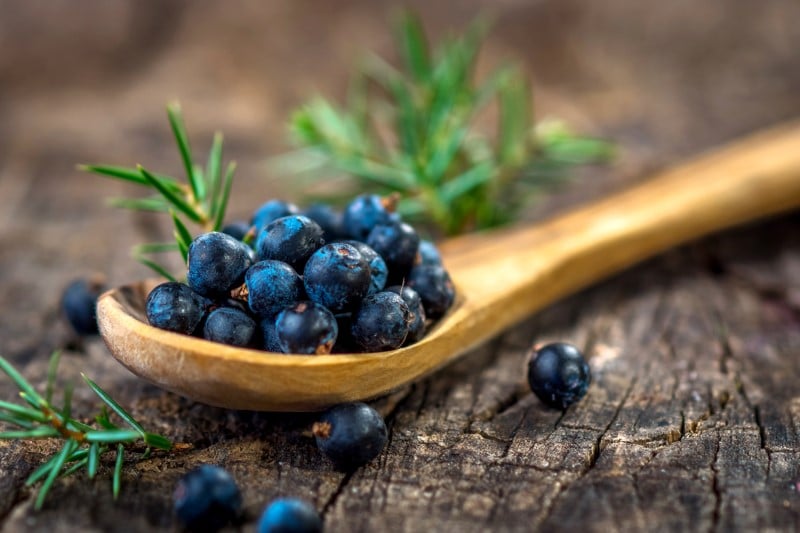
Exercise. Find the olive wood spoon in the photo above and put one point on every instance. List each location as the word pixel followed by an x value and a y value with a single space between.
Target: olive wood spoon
pixel 501 277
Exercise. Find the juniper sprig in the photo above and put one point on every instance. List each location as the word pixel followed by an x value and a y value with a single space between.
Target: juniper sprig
pixel 412 130
pixel 201 201
pixel 84 444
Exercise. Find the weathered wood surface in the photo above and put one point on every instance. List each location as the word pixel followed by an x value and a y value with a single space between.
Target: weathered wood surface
pixel 693 419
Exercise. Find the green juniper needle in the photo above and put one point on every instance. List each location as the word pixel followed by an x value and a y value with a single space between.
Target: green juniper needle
pixel 83 444
pixel 201 201
pixel 415 135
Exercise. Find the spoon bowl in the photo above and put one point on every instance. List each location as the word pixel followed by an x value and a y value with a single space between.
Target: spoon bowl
pixel 240 378
pixel 500 278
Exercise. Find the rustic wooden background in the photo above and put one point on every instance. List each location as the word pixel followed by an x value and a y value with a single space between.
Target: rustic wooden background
pixel 693 419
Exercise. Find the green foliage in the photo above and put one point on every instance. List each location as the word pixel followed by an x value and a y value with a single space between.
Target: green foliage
pixel 200 201
pixel 83 444
pixel 411 129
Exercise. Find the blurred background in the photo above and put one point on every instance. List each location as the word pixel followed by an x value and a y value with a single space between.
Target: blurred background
pixel 87 81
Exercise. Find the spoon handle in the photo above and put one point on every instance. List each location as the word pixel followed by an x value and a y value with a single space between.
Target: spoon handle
pixel 512 274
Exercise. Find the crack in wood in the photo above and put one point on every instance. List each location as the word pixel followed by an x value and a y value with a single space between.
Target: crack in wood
pixel 755 409
pixel 596 450
pixel 762 435
pixel 683 425
pixel 340 489
pixel 721 330
pixel 513 435
pixel 715 488
pixel 487 436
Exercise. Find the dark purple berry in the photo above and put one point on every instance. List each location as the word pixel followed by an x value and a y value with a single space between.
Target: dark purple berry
pixel 269 335
pixel 337 276
pixel 381 322
pixel 397 243
pixel 207 498
pixel 428 254
pixel 328 219
pixel 217 263
pixel 79 305
pixel 229 326
pixel 377 266
pixel 272 210
pixel 289 239
pixel 344 340
pixel 416 326
pixel 434 287
pixel 307 328
pixel 175 307
pixel 271 287
pixel 350 434
pixel 365 212
pixel 558 374
pixel 290 515
pixel 237 229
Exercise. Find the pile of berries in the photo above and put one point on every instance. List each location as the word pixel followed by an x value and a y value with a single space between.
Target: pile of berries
pixel 315 282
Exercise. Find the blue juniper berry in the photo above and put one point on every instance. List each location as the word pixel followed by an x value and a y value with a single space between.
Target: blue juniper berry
pixel 428 254
pixel 379 272
pixel 350 434
pixel 269 335
pixel 289 239
pixel 397 243
pixel 290 515
pixel 416 326
pixel 381 322
pixel 216 264
pixel 207 498
pixel 365 212
pixel 344 339
pixel 434 287
pixel 175 307
pixel 306 328
pixel 271 210
pixel 236 229
pixel 229 325
pixel 337 276
pixel 79 304
pixel 558 374
pixel 272 286
pixel 328 219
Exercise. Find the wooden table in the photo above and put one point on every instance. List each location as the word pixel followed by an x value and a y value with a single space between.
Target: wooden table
pixel 693 418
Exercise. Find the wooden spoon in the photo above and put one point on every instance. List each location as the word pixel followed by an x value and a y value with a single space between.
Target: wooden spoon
pixel 501 277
